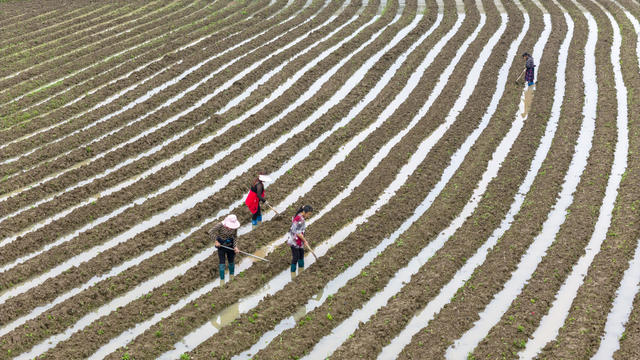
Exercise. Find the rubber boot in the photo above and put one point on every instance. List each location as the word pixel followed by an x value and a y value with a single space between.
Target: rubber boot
pixel 259 219
pixel 293 268
pixel 254 222
pixel 301 263
pixel 221 270
pixel 232 268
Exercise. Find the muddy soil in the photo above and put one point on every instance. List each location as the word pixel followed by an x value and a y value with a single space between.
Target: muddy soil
pixel 459 315
pixel 630 342
pixel 161 135
pixel 127 193
pixel 581 334
pixel 293 180
pixel 392 318
pixel 80 154
pixel 395 257
pixel 225 16
pixel 77 33
pixel 361 58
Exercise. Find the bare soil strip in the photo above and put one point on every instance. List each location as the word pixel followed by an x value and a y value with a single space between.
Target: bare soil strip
pixel 67 35
pixel 243 191
pixel 363 56
pixel 586 318
pixel 136 117
pixel 475 290
pixel 20 72
pixel 223 20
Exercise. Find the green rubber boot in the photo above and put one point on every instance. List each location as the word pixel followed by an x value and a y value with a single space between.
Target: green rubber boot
pixel 221 269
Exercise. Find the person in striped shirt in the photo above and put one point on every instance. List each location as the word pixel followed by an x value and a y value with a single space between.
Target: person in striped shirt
pixel 225 233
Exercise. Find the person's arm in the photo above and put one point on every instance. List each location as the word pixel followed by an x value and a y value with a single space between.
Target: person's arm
pixel 214 233
pixel 259 191
pixel 235 242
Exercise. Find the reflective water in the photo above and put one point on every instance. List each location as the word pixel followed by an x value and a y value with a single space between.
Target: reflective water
pixel 551 323
pixel 421 319
pixel 528 263
pixel 225 86
pixel 332 341
pixel 166 276
pixel 167 103
pixel 189 202
pixel 630 284
pixel 138 19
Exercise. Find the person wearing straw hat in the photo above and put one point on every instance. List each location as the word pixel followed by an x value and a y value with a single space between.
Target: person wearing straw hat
pixel 225 235
pixel 255 197
pixel 296 239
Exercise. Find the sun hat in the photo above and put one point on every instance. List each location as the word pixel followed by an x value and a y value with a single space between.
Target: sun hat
pixel 231 221
pixel 264 178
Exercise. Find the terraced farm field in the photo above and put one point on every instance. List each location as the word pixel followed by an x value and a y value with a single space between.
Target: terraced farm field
pixel 459 213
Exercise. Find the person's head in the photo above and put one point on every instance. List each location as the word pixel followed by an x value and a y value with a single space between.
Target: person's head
pixel 231 222
pixel 525 56
pixel 262 177
pixel 305 211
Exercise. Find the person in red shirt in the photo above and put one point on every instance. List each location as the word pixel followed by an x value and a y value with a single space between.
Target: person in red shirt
pixel 255 197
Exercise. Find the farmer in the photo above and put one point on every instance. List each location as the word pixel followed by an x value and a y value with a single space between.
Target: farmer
pixel 255 197
pixel 296 238
pixel 225 234
pixel 529 65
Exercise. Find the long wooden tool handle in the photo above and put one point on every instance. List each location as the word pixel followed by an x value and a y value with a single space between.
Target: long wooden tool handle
pixel 246 253
pixel 272 208
pixel 523 70
pixel 313 253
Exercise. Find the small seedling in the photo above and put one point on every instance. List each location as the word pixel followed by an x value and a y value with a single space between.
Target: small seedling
pixel 329 316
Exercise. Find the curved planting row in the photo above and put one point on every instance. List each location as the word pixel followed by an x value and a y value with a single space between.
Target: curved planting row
pixel 457 214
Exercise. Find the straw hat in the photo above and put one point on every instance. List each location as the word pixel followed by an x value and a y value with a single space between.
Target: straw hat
pixel 264 178
pixel 231 221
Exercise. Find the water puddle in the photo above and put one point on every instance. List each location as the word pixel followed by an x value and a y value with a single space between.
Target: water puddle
pixel 500 303
pixel 85 46
pixel 125 184
pixel 176 183
pixel 551 323
pixel 191 44
pixel 420 320
pixel 199 196
pixel 630 284
pixel 142 99
pixel 92 34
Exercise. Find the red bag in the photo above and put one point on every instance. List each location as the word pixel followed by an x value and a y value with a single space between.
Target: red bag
pixel 252 201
